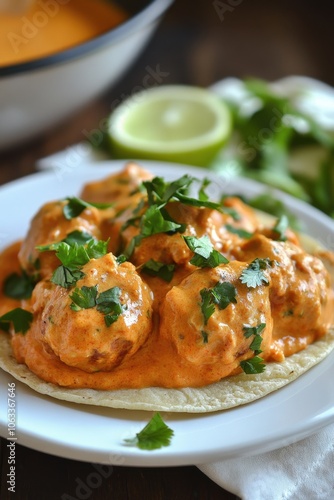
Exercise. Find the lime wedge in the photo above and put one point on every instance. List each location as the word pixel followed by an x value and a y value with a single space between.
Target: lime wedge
pixel 176 123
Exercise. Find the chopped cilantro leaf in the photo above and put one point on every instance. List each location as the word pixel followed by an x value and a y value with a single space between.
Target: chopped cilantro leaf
pixel 280 228
pixel 207 305
pixel 163 271
pixel 83 298
pixel 153 222
pixel 19 286
pixel 239 231
pixel 256 344
pixel 253 330
pixel 253 275
pixel 222 294
pixel 65 277
pixel 107 302
pixel 154 435
pixel 205 254
pixel 76 206
pixel 76 250
pixel 205 337
pixel 253 365
pixel 20 318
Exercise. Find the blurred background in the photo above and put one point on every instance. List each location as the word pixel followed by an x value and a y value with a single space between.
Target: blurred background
pixel 199 43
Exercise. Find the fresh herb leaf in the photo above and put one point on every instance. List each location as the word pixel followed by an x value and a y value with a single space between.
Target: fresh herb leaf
pixel 20 318
pixel 253 365
pixel 153 222
pixel 76 250
pixel 253 330
pixel 207 304
pixel 205 337
pixel 222 294
pixel 163 271
pixel 153 436
pixel 205 254
pixel 239 231
pixel 19 286
pixel 253 275
pixel 83 298
pixel 280 228
pixel 65 277
pixel 76 206
pixel 256 332
pixel 107 302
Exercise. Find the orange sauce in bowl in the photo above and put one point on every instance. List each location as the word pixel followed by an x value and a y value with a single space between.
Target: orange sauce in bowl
pixel 51 26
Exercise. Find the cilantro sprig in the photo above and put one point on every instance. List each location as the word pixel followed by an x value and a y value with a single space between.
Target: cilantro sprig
pixel 256 363
pixel 74 251
pixel 155 218
pixel 281 227
pixel 205 254
pixel 159 269
pixel 75 206
pixel 253 275
pixel 222 294
pixel 107 302
pixel 19 286
pixel 156 434
pixel 20 319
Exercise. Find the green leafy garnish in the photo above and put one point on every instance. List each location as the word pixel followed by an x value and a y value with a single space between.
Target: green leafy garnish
pixel 222 294
pixel 268 203
pixel 20 319
pixel 272 134
pixel 239 231
pixel 253 365
pixel 205 337
pixel 84 298
pixel 280 228
pixel 205 254
pixel 76 206
pixel 107 302
pixel 74 251
pixel 253 276
pixel 19 286
pixel 155 218
pixel 66 277
pixel 153 436
pixel 256 332
pixel 163 271
pixel 153 222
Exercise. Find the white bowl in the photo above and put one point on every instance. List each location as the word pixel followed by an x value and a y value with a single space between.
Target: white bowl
pixel 36 95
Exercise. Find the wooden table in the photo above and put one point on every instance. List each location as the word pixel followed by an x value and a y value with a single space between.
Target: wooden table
pixel 195 44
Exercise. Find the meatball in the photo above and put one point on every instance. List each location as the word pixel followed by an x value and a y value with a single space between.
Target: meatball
pixel 48 226
pixel 300 290
pixel 82 337
pixel 120 189
pixel 171 248
pixel 221 338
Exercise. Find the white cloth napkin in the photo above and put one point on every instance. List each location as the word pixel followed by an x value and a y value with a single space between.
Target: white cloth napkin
pixel 300 471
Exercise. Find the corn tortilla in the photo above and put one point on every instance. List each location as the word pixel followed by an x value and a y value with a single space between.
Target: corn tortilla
pixel 228 393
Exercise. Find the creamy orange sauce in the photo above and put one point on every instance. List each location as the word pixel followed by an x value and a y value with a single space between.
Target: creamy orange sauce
pixel 48 27
pixel 161 338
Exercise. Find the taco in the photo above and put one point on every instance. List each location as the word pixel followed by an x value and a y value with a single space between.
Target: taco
pixel 146 294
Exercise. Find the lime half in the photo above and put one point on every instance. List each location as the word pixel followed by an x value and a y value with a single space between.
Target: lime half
pixel 177 123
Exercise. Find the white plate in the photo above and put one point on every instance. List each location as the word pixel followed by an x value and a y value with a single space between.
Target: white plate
pixel 96 435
